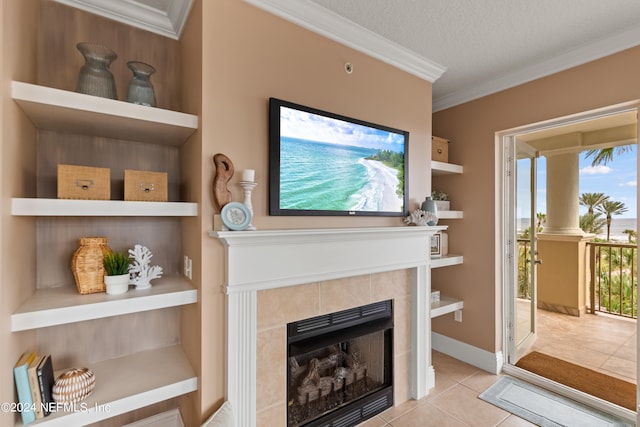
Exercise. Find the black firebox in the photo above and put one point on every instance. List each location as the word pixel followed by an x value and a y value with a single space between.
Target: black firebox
pixel 340 367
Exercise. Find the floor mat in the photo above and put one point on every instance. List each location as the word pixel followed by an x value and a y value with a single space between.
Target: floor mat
pixel 545 408
pixel 605 387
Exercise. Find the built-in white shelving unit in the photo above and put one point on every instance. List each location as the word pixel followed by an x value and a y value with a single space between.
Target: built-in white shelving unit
pixel 63 207
pixel 57 306
pixel 135 380
pixel 127 383
pixel 446 260
pixel 66 111
pixel 442 168
pixel 445 306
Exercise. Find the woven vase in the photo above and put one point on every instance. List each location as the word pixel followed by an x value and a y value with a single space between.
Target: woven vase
pixel 74 385
pixel 87 264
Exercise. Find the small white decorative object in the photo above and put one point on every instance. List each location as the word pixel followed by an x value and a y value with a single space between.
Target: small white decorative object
pixel 420 217
pixel 74 385
pixel 247 188
pixel 141 271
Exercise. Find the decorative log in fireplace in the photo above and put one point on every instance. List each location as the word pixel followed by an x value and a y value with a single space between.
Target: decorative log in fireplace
pixel 340 366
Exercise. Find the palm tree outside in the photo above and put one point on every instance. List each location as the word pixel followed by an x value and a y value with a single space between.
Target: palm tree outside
pixel 603 156
pixel 610 208
pixel 591 200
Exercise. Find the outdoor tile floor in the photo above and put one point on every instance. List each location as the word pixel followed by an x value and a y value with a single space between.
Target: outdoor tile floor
pixel 600 342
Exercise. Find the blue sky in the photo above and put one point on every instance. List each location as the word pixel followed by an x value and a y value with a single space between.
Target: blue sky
pixel 618 180
pixel 313 127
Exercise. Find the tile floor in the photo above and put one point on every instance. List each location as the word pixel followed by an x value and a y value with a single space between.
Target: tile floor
pixel 452 403
pixel 600 342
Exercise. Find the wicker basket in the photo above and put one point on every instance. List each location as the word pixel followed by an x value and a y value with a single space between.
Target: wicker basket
pixel 74 385
pixel 87 266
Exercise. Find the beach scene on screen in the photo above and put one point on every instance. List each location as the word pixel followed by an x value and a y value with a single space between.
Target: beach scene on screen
pixel 334 165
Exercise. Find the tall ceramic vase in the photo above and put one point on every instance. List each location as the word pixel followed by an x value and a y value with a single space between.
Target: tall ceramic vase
pixel 95 78
pixel 140 87
pixel 429 206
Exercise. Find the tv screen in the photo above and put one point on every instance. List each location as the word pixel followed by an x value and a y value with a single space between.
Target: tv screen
pixel 326 164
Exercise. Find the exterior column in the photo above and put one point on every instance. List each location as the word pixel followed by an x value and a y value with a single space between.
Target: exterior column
pixel 562 195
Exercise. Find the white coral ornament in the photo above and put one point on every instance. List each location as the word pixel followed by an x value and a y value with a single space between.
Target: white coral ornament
pixel 420 217
pixel 140 270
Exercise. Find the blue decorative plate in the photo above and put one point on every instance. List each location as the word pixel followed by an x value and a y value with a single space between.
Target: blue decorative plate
pixel 236 216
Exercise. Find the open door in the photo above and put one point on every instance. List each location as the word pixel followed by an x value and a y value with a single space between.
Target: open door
pixel 522 247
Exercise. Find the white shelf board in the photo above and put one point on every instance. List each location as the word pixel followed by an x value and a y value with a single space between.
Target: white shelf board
pixel 446 261
pixel 58 306
pixel 66 111
pixel 450 214
pixel 442 168
pixel 127 383
pixel 66 207
pixel 445 306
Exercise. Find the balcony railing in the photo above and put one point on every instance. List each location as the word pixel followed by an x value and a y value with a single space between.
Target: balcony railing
pixel 612 277
pixel 613 281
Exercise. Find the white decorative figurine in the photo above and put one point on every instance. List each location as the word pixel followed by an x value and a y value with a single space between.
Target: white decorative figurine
pixel 141 272
pixel 419 217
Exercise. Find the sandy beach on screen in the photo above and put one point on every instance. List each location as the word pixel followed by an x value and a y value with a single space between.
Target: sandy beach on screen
pixel 388 179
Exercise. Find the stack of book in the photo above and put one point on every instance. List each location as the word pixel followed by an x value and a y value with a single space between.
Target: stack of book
pixel 33 375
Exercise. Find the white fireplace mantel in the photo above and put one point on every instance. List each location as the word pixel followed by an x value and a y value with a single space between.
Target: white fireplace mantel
pixel 270 259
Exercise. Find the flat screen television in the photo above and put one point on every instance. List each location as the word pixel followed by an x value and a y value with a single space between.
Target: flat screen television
pixel 322 163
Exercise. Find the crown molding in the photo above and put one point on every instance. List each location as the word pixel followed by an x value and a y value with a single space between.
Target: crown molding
pixel 318 19
pixel 581 55
pixel 167 22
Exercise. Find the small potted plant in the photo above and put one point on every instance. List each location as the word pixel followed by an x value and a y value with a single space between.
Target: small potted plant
pixel 442 200
pixel 116 267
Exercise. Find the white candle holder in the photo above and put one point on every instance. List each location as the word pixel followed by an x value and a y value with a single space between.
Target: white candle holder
pixel 247 187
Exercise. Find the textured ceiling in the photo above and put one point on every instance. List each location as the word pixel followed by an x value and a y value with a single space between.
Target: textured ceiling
pixel 488 45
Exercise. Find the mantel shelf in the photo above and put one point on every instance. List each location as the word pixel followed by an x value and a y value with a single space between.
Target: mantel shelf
pixel 442 168
pixel 77 113
pixel 446 261
pixel 65 207
pixel 57 306
pixel 128 383
pixel 445 306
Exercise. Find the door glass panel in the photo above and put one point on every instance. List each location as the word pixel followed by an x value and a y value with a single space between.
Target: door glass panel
pixel 525 232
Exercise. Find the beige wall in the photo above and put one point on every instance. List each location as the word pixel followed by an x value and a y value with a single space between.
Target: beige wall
pixel 17 169
pixel 249 56
pixel 471 127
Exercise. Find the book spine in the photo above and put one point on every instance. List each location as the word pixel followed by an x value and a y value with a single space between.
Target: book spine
pixel 25 401
pixel 35 392
pixel 45 384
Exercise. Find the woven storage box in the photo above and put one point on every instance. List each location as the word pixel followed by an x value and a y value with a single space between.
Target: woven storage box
pixel 87 265
pixel 439 149
pixel 145 186
pixel 74 385
pixel 84 182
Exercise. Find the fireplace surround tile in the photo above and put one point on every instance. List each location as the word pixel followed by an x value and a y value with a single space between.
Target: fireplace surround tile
pixel 272 355
pixel 277 307
pixel 341 294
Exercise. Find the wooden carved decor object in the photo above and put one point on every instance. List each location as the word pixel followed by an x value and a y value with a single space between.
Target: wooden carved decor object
pixel 224 172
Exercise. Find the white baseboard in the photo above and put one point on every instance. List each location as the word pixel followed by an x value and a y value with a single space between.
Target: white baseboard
pixel 170 418
pixel 483 359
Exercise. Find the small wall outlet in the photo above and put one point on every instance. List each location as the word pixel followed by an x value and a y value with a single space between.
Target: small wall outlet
pixel 187 266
